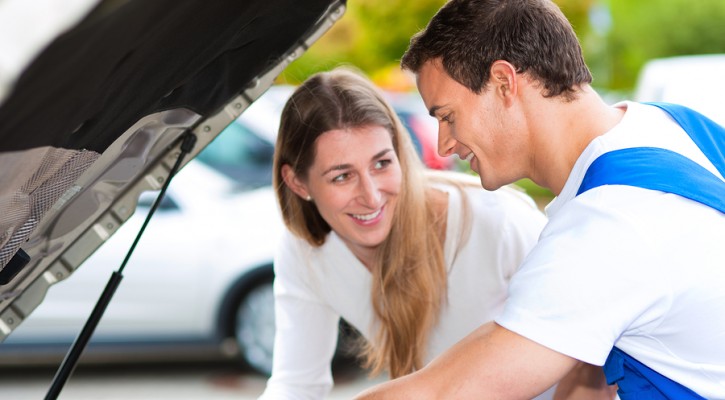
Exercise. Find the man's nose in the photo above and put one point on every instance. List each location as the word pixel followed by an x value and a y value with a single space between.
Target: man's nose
pixel 369 191
pixel 446 143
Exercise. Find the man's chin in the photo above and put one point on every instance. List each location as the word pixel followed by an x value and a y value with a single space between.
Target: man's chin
pixel 488 185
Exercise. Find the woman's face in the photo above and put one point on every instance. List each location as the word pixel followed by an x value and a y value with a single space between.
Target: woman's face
pixel 354 181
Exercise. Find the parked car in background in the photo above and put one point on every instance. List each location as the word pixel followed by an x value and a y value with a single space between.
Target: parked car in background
pixel 103 104
pixel 199 285
pixel 423 128
pixel 696 81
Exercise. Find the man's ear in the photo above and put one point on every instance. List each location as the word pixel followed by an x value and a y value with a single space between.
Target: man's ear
pixel 294 182
pixel 504 80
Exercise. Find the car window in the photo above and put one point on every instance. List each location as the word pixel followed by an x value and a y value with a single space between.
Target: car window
pixel 241 154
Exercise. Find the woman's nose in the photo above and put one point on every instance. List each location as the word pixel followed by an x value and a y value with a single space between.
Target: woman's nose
pixel 369 191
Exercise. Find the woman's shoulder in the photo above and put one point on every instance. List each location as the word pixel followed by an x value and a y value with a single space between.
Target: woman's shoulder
pixel 509 196
pixel 295 252
pixel 453 181
pixel 468 197
pixel 448 180
pixel 289 242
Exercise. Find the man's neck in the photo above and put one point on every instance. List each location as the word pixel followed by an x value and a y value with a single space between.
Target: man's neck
pixel 565 130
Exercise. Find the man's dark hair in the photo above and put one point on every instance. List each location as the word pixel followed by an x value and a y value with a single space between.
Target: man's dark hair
pixel 533 35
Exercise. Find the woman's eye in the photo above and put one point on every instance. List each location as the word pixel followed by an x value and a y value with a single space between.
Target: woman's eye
pixel 340 178
pixel 446 118
pixel 380 164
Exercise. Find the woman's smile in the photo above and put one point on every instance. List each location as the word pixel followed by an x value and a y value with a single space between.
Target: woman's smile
pixel 368 219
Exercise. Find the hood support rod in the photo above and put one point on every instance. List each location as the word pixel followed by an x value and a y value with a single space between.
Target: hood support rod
pixel 71 359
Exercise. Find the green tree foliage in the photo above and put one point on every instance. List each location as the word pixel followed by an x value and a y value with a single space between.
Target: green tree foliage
pixel 577 12
pixel 372 36
pixel 647 29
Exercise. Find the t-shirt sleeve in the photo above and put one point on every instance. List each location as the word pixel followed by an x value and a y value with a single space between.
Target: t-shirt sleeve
pixel 590 278
pixel 306 331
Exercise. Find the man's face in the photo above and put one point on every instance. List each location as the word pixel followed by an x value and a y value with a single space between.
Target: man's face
pixel 479 128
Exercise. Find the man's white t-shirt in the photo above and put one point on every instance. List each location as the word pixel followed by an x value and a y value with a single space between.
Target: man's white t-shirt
pixel 314 287
pixel 623 266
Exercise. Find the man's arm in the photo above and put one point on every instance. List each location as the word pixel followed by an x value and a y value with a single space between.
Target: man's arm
pixel 490 363
pixel 585 382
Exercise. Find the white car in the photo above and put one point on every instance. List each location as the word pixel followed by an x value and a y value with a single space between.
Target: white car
pixel 105 102
pixel 199 284
pixel 200 276
pixel 696 81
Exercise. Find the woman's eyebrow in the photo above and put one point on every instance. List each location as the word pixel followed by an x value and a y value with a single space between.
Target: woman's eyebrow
pixel 380 154
pixel 341 167
pixel 338 167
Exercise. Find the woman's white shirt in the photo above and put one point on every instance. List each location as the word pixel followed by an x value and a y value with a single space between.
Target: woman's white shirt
pixel 314 287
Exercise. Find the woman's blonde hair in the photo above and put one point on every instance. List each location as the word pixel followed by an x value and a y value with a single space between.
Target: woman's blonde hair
pixel 409 275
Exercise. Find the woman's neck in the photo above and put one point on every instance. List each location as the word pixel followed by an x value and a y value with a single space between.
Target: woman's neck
pixel 366 255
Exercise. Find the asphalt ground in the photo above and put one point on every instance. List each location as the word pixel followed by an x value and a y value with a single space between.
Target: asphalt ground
pixel 177 381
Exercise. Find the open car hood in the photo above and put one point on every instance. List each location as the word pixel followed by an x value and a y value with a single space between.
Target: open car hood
pixel 97 117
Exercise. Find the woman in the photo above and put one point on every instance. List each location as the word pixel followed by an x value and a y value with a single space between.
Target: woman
pixel 414 261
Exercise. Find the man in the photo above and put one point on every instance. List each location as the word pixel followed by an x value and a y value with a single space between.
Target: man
pixel 622 274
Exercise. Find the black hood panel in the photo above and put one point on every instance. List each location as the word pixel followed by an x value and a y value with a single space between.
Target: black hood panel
pixel 124 62
pixel 98 116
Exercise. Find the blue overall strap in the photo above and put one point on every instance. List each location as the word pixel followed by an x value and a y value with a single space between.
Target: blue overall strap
pixel 665 170
pixel 656 169
pixel 707 135
pixel 637 381
pixel 670 172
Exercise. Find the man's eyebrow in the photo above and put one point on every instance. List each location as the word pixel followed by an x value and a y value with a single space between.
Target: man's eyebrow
pixel 433 111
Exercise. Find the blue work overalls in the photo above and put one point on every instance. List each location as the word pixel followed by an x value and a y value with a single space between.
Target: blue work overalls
pixel 666 171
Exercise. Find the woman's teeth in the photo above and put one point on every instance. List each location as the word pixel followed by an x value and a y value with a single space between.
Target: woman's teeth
pixel 469 157
pixel 367 217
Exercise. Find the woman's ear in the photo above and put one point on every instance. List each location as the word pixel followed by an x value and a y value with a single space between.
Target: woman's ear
pixel 294 182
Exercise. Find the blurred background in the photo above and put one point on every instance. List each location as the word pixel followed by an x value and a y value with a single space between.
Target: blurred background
pixel 618 38
pixel 220 309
